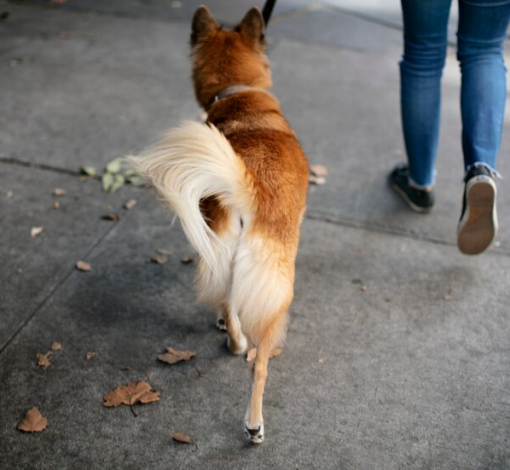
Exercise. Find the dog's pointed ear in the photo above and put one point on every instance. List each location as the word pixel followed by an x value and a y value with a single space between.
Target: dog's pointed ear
pixel 202 25
pixel 252 25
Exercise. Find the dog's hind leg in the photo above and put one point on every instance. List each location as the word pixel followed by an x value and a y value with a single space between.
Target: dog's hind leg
pixel 236 341
pixel 253 422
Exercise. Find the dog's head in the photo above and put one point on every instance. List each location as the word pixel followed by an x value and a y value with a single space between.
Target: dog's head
pixel 224 58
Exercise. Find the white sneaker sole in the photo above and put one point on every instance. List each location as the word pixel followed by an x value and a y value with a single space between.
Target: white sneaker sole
pixel 479 225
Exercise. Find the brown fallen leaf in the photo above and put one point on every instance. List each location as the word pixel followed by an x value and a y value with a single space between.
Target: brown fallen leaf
pixel 113 216
pixel 56 346
pixel 33 421
pixel 186 260
pixel 173 356
pixel 130 204
pixel 318 170
pixel 44 360
pixel 317 180
pixel 59 192
pixel 83 266
pixel 36 231
pixel 130 394
pixel 181 437
pixel 161 260
pixel 252 354
pixel 363 288
pixel 90 355
pixel 448 297
pixel 320 360
pixel 56 205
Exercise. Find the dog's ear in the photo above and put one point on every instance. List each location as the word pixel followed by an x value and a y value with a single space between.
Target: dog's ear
pixel 252 25
pixel 203 23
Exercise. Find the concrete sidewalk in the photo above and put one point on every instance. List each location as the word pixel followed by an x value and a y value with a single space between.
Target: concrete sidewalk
pixel 413 372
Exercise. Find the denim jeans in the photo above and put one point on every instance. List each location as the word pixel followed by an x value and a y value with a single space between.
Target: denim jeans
pixel 481 32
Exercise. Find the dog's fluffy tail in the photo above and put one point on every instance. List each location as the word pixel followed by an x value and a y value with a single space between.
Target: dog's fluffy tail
pixel 193 162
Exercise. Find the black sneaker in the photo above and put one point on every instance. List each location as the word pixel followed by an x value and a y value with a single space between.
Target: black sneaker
pixel 418 200
pixel 479 220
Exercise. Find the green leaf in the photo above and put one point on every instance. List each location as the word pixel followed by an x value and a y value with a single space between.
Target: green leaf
pixel 107 181
pixel 129 173
pixel 88 170
pixel 136 180
pixel 118 182
pixel 114 166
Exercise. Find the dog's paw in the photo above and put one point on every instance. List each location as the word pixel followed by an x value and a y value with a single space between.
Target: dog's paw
pixel 221 324
pixel 255 432
pixel 237 347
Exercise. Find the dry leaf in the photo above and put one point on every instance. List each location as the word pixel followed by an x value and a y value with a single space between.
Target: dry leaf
pixel 130 204
pixel 59 192
pixel 318 180
pixel 36 231
pixel 56 346
pixel 56 205
pixel 90 355
pixel 173 356
pixel 113 216
pixel 320 360
pixel 161 260
pixel 363 288
pixel 34 421
pixel 186 260
pixel 252 354
pixel 44 360
pixel 83 266
pixel 318 170
pixel 447 297
pixel 181 437
pixel 130 394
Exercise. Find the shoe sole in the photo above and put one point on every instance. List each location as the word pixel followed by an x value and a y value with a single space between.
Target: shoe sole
pixel 411 204
pixel 479 225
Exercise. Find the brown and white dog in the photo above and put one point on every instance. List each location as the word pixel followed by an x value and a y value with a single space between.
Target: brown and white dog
pixel 238 185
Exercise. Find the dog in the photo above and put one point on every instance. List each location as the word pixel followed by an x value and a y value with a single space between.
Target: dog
pixel 238 184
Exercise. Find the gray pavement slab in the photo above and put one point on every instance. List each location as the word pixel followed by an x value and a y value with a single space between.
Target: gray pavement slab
pixel 32 268
pixel 226 11
pixel 408 378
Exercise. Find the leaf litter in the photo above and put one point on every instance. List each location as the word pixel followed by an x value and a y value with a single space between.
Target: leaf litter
pixel 35 231
pixel 83 266
pixel 33 421
pixel 131 394
pixel 44 360
pixel 181 437
pixel 173 356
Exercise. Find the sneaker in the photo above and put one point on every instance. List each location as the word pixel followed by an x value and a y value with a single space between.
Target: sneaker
pixel 418 200
pixel 479 221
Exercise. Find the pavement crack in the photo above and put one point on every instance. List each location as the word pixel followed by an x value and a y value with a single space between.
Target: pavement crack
pixel 39 166
pixel 62 281
pixel 373 227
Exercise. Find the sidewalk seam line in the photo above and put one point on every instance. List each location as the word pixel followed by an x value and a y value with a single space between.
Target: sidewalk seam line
pixel 6 344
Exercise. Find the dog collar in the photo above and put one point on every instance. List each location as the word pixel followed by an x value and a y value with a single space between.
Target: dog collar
pixel 231 90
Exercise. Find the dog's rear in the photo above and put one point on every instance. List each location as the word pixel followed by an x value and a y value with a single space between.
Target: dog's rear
pixel 239 193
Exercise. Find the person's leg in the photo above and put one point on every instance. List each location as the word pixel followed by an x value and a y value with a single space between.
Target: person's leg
pixel 425 42
pixel 482 31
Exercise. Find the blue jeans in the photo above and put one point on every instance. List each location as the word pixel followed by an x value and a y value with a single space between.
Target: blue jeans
pixel 481 32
